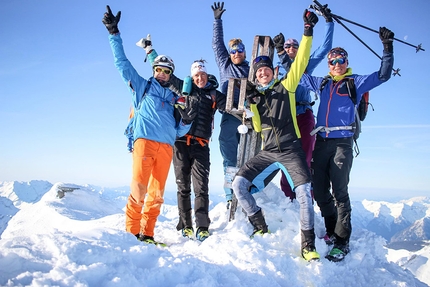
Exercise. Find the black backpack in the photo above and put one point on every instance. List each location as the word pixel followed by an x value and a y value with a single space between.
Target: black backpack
pixel 362 107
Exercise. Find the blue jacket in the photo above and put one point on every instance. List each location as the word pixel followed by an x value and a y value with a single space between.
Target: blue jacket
pixel 154 119
pixel 336 107
pixel 303 96
pixel 227 69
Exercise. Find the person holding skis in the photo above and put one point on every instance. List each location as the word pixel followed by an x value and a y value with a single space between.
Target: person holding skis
pixel 191 159
pixel 154 132
pixel 273 104
pixel 287 51
pixel 231 63
pixel 340 92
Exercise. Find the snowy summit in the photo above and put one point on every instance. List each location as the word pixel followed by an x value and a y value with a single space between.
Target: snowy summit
pixel 77 238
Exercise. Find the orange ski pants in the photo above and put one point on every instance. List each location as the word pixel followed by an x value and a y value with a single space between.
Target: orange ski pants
pixel 151 163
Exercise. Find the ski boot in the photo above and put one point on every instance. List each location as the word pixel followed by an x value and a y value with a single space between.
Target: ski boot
pixel 188 232
pixel 149 240
pixel 202 233
pixel 257 220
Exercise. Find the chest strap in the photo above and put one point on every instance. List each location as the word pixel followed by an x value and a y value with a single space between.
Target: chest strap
pixel 330 129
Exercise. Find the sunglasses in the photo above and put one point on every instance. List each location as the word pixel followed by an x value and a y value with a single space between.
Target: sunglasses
pixel 165 71
pixel 240 50
pixel 262 58
pixel 341 61
pixel 291 45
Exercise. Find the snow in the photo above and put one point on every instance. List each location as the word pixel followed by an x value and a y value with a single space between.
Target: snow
pixel 79 240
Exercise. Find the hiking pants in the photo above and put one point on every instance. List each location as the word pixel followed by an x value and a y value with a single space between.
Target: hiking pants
pixel 229 139
pixel 151 163
pixel 306 123
pixel 192 163
pixel 261 169
pixel 331 166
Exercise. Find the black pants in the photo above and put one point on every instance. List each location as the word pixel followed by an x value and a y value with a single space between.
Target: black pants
pixel 331 166
pixel 192 162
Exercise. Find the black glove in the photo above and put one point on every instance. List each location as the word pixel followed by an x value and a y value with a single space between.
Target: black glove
pixel 279 41
pixel 251 93
pixel 190 111
pixel 218 9
pixel 387 37
pixel 326 13
pixel 310 20
pixel 111 21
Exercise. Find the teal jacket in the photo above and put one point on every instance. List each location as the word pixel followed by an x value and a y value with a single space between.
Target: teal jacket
pixel 153 112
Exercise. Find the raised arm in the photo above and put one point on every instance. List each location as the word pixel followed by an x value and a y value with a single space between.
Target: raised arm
pixel 298 67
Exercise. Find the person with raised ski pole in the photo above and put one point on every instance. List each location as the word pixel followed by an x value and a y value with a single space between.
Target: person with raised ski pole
pixel 273 103
pixel 332 158
pixel 287 51
pixel 155 130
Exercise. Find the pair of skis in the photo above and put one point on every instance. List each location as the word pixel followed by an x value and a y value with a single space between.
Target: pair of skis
pixel 250 142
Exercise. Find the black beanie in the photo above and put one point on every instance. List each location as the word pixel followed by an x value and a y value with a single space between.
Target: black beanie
pixel 262 61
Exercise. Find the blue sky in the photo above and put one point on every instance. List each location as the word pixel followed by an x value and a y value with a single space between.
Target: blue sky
pixel 64 107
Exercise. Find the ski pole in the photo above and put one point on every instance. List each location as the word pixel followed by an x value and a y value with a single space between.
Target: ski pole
pixel 395 71
pixel 367 28
pixel 370 29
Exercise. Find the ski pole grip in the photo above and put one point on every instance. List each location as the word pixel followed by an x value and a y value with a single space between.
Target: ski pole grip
pixel 186 88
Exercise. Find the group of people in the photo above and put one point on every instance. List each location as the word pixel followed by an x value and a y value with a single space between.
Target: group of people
pixel 169 125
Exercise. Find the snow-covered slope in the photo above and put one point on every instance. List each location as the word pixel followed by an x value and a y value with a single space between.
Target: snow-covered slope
pixel 79 240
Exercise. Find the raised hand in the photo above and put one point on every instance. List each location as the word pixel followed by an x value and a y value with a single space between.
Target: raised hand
pixel 111 21
pixel 326 12
pixel 218 9
pixel 279 41
pixel 310 19
pixel 145 43
pixel 387 37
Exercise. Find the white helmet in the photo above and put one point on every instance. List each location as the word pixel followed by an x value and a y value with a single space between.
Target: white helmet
pixel 164 61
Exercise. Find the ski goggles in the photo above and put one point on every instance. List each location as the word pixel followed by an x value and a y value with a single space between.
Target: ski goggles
pixel 161 70
pixel 341 61
pixel 287 46
pixel 262 58
pixel 336 52
pixel 237 48
pixel 234 51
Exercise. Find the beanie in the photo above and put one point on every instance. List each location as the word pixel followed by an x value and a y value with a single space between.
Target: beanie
pixel 198 66
pixel 262 61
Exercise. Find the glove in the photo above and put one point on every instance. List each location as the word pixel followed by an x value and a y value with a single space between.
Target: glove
pixel 279 41
pixel 218 9
pixel 111 21
pixel 189 112
pixel 251 93
pixel 310 20
pixel 387 37
pixel 326 13
pixel 146 44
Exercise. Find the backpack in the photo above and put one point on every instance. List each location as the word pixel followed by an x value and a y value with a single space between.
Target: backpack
pixel 360 110
pixel 362 107
pixel 130 127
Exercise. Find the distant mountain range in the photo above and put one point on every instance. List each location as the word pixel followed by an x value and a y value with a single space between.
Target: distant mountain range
pixel 404 221
pixel 400 222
